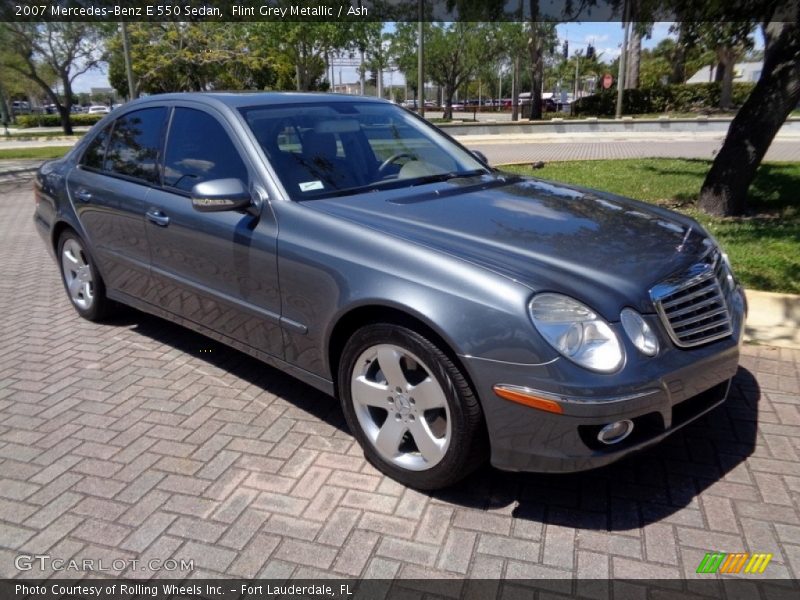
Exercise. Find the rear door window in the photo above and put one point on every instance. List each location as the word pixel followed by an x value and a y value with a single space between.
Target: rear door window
pixel 136 143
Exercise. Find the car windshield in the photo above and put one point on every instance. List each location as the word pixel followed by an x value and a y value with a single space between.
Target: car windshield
pixel 341 148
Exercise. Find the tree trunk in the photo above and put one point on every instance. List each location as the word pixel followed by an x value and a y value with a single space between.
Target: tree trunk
pixel 678 74
pixel 727 60
pixel 776 93
pixel 634 58
pixel 448 102
pixel 5 115
pixel 719 72
pixel 537 72
pixel 66 124
pixel 66 108
pixel 515 90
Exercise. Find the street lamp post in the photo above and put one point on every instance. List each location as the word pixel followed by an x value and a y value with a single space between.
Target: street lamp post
pixel 126 50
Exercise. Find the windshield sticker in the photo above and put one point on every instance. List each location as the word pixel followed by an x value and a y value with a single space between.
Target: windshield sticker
pixel 307 186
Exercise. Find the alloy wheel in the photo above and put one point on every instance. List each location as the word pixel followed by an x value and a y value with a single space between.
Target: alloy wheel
pixel 401 407
pixel 77 274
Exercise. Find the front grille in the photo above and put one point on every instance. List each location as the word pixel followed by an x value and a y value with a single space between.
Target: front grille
pixel 693 307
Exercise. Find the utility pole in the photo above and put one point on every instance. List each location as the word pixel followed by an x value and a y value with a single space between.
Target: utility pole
pixel 126 50
pixel 421 59
pixel 622 62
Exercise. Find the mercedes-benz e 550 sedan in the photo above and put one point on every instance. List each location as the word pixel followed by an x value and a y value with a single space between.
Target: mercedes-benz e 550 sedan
pixel 456 311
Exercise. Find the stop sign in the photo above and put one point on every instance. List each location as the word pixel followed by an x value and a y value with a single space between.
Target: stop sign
pixel 608 80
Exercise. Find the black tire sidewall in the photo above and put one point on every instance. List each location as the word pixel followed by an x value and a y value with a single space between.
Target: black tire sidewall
pixel 460 458
pixel 98 309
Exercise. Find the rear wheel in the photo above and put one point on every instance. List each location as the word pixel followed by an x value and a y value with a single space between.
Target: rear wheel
pixel 85 287
pixel 410 407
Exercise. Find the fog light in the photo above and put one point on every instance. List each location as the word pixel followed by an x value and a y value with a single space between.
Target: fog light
pixel 614 433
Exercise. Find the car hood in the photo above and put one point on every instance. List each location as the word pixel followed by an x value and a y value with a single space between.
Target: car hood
pixel 605 250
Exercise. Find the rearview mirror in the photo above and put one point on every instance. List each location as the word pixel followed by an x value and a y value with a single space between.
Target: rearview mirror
pixel 220 194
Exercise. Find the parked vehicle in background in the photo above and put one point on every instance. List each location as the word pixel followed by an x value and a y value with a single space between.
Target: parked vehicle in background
pixel 99 109
pixel 20 107
pixel 456 311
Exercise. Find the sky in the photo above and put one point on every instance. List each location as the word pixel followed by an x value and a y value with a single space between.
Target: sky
pixel 606 38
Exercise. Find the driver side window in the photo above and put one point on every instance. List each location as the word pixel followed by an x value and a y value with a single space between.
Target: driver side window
pixel 199 149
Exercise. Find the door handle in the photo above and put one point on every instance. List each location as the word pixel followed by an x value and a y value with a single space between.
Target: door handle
pixel 157 217
pixel 84 195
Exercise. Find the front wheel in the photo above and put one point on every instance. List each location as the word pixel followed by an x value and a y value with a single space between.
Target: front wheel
pixel 83 283
pixel 410 407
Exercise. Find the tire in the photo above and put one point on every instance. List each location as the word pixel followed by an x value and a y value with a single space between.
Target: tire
pixel 419 422
pixel 82 282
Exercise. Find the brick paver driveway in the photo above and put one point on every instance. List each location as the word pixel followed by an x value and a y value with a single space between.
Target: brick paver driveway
pixel 138 439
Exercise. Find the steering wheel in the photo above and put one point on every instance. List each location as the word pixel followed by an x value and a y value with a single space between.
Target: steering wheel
pixel 393 158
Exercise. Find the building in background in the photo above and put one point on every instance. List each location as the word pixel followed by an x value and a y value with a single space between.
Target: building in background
pixel 747 72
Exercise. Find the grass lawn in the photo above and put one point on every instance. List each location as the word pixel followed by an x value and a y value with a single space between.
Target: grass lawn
pixel 764 247
pixel 44 153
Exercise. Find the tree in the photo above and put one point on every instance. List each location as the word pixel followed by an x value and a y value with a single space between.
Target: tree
pixel 39 51
pixel 729 40
pixel 513 47
pixel 403 53
pixel 776 93
pixel 454 52
pixel 373 48
pixel 169 57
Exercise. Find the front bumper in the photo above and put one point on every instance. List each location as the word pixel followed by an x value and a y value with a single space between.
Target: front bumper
pixel 659 395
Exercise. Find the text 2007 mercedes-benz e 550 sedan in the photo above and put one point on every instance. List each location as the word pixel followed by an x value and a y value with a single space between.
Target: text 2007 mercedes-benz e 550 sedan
pixel 456 311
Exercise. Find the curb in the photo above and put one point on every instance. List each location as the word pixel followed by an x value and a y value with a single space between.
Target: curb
pixel 773 319
pixel 17 173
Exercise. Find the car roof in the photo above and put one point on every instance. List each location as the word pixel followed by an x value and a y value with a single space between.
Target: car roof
pixel 246 99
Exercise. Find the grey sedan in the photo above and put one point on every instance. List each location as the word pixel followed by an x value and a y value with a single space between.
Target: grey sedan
pixel 458 312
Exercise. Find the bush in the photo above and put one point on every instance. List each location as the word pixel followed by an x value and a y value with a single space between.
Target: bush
pixel 26 121
pixel 678 98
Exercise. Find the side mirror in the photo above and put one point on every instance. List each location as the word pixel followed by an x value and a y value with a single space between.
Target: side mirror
pixel 220 194
pixel 480 156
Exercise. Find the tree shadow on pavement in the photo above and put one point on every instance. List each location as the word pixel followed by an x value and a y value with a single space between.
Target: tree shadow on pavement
pixel 641 489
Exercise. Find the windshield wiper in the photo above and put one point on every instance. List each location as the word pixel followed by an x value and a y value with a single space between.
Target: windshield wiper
pixel 445 177
pixel 398 183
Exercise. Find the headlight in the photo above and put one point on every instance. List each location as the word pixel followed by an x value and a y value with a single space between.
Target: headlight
pixel 640 333
pixel 576 332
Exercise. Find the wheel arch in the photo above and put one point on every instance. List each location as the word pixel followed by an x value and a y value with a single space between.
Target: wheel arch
pixel 372 314
pixel 58 230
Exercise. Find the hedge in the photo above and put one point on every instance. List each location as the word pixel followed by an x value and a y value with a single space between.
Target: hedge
pixel 679 98
pixel 25 121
